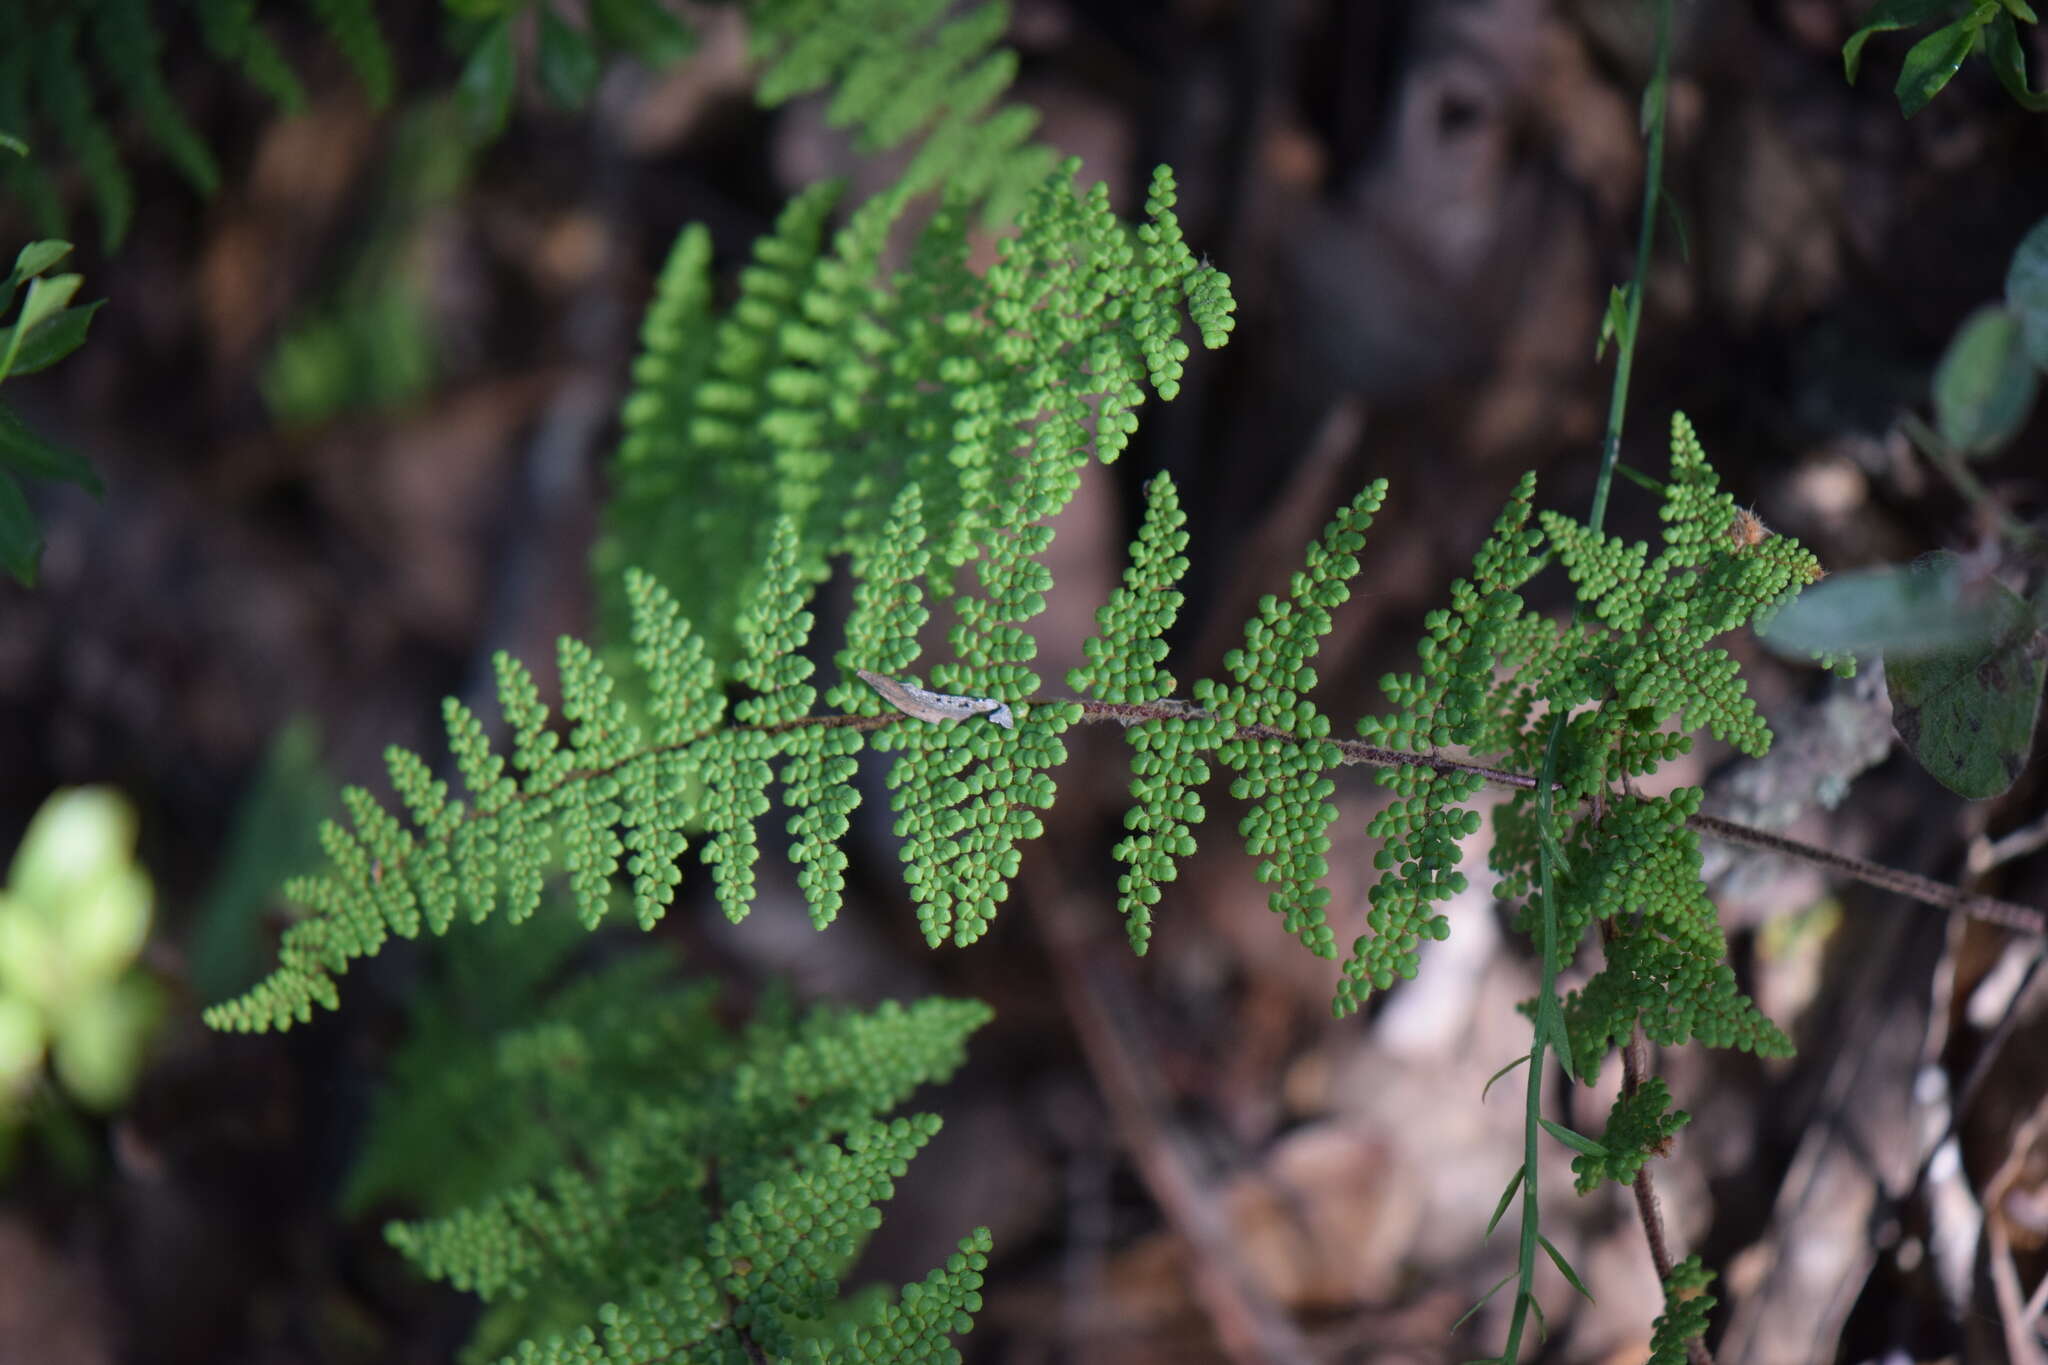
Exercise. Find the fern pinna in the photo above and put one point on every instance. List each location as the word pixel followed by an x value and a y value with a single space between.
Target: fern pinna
pixel 969 404
pixel 903 72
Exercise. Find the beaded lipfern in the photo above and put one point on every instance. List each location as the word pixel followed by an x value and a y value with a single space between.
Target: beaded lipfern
pixel 966 793
pixel 929 432
pixel 1635 672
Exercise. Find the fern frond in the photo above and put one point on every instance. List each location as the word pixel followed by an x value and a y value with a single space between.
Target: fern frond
pixel 384 877
pixel 695 485
pixel 128 41
pixel 750 1166
pixel 1125 652
pixel 769 1303
pixel 353 26
pixel 21 176
pixel 897 76
pixel 65 95
pixel 489 1052
pixel 888 606
pixel 916 1326
pixel 962 848
pixel 231 34
pixel 1636 675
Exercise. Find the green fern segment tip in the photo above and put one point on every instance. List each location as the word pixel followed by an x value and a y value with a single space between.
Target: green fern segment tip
pixel 1283 774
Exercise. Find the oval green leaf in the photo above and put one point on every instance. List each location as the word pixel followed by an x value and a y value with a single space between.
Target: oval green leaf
pixel 56 338
pixel 1933 63
pixel 2009 63
pixel 568 62
pixel 485 90
pixel 1967 713
pixel 2026 291
pixel 21 544
pixel 1898 610
pixel 1984 387
pixel 1883 17
pixel 27 453
pixel 36 257
pixel 642 28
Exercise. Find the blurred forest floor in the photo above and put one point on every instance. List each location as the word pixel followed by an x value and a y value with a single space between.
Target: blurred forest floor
pixel 1422 208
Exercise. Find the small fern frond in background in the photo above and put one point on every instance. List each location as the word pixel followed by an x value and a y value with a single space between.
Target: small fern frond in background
pixel 353 26
pixel 59 63
pixel 634 1173
pixel 63 96
pixel 895 75
pixel 1637 675
pixel 232 35
pixel 128 43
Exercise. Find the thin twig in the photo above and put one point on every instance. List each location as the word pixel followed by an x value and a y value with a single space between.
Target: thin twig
pixel 2024 918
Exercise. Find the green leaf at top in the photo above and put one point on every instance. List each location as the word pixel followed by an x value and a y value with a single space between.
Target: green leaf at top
pixel 1564 1268
pixel 1934 61
pixel 47 295
pixel 1615 321
pixel 2009 63
pixel 1984 387
pixel 2026 291
pixel 58 337
pixel 1577 1141
pixel 1897 610
pixel 21 544
pixel 1967 714
pixel 31 261
pixel 35 258
pixel 1883 17
pixel 485 89
pixel 644 29
pixel 568 63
